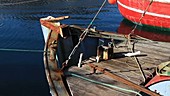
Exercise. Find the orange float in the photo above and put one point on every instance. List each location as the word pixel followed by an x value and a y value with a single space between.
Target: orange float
pixel 112 1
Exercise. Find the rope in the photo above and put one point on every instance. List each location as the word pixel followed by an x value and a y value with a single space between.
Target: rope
pixel 140 19
pixel 22 50
pixel 83 35
pixel 132 48
pixel 138 63
pixel 105 84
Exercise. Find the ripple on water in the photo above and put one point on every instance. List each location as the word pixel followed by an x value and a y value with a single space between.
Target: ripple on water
pixel 16 2
pixel 20 29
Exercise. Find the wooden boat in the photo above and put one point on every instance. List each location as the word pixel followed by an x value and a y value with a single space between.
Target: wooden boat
pixel 51 61
pixel 120 70
pixel 146 12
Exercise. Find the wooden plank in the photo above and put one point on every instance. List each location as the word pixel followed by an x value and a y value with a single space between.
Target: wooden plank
pixel 54 77
pixel 120 79
pixel 53 73
pixel 122 68
pixel 84 88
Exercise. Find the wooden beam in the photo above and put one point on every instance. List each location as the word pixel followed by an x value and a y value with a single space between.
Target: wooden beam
pixel 122 80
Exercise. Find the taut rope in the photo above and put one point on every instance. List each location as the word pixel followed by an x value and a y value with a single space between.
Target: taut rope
pixel 129 36
pixel 82 36
pixel 22 50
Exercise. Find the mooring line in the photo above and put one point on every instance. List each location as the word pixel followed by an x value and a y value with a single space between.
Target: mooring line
pixel 140 19
pixel 133 45
pixel 105 84
pixel 83 35
pixel 22 50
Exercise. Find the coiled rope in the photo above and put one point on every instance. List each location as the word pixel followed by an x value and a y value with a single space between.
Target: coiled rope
pixel 83 35
pixel 105 84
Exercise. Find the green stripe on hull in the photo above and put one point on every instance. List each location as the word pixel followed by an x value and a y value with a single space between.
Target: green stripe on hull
pixel 155 29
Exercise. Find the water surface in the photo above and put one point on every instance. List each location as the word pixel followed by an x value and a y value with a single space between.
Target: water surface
pixel 22 73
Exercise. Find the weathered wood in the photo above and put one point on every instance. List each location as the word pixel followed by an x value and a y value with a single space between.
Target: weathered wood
pixel 122 67
pixel 53 73
pixel 152 54
pixel 81 87
pixel 52 19
pixel 54 77
pixel 120 79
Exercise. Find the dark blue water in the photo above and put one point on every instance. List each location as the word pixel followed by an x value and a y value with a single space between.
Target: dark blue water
pixel 22 73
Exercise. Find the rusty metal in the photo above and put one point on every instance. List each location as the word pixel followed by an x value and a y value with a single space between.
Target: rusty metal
pixel 49 22
pixel 122 80
pixel 53 73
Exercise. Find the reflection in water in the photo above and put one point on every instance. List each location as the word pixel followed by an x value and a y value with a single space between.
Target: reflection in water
pixel 146 32
pixel 9 3
pixel 22 73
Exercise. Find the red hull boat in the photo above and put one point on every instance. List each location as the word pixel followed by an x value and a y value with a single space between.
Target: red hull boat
pixel 150 33
pixel 157 12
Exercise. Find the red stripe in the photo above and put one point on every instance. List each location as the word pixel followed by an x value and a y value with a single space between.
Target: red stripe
pixel 156 7
pixel 147 19
pixel 157 79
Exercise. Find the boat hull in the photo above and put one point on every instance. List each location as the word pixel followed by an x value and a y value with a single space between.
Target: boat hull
pixel 160 84
pixel 157 14
pixel 150 33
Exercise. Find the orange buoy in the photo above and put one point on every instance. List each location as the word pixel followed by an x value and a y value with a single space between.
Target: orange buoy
pixel 112 1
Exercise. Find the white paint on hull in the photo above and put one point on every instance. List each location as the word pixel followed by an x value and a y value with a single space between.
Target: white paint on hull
pixel 142 11
pixel 163 1
pixel 162 87
pixel 46 32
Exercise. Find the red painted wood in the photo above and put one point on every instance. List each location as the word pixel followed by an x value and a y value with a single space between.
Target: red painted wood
pixel 157 79
pixel 149 34
pixel 156 7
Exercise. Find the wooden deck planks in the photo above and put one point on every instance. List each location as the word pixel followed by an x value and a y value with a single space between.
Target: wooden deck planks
pixel 126 67
pixel 153 53
pixel 84 88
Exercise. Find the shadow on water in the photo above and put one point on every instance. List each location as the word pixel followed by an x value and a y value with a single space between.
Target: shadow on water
pixel 22 73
